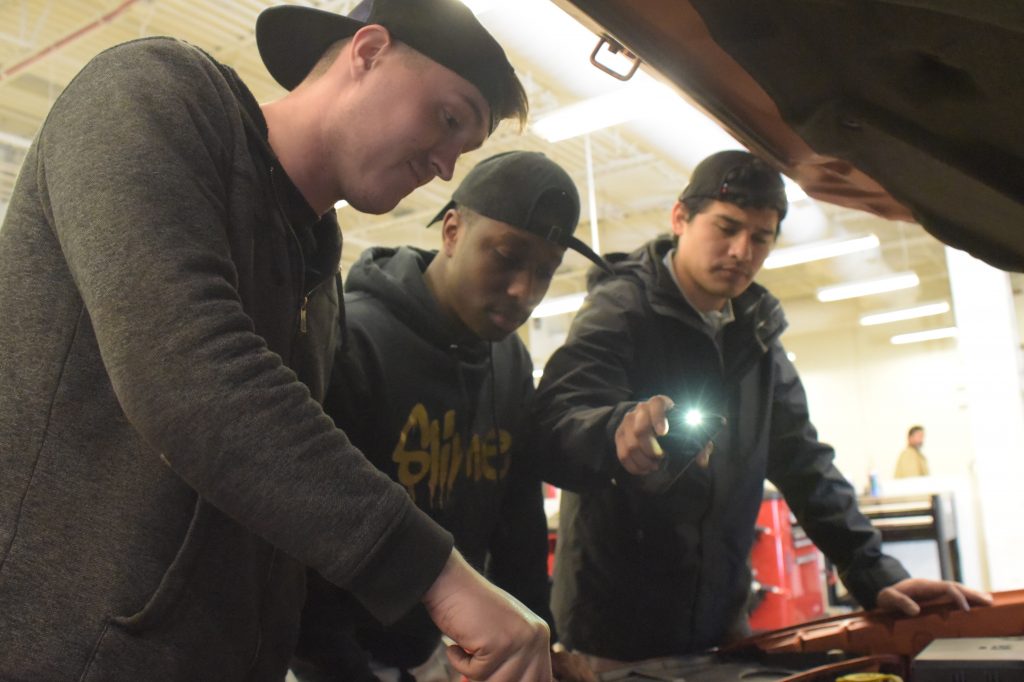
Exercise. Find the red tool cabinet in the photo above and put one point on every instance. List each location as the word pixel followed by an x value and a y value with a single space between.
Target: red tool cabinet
pixel 788 570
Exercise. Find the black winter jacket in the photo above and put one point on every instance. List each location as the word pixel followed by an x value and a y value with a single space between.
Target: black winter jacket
pixel 640 575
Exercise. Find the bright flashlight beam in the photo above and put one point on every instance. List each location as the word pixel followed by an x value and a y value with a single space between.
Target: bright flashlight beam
pixel 694 418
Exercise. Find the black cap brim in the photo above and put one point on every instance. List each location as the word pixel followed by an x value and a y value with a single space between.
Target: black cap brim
pixel 440 214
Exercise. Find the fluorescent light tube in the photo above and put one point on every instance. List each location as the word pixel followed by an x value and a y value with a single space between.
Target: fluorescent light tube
pixel 603 111
pixel 15 140
pixel 905 314
pixel 794 255
pixel 929 335
pixel 839 292
pixel 559 305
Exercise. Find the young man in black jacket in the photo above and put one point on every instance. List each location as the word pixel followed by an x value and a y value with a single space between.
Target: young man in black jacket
pixel 435 386
pixel 652 553
pixel 167 267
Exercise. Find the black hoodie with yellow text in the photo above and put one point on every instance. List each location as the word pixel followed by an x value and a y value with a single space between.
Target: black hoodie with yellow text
pixel 447 420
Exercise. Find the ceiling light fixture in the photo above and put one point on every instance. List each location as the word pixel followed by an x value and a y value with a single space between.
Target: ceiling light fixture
pixel 15 140
pixel 925 310
pixel 603 111
pixel 929 335
pixel 340 204
pixel 559 305
pixel 868 287
pixel 805 253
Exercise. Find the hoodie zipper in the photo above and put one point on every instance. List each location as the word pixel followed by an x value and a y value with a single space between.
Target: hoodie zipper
pixel 303 304
pixel 252 127
pixel 303 301
pixel 253 132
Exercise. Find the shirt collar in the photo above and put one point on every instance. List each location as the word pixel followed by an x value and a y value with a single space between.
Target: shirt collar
pixel 714 319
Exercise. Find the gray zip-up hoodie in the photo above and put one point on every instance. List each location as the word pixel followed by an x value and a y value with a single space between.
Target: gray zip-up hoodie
pixel 164 472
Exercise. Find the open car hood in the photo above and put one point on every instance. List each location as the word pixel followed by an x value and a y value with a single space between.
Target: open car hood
pixel 908 109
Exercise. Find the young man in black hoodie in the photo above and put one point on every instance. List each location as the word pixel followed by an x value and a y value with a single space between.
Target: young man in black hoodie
pixel 435 386
pixel 652 553
pixel 167 267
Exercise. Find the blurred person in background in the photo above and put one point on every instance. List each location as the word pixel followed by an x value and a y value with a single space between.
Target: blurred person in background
pixel 912 461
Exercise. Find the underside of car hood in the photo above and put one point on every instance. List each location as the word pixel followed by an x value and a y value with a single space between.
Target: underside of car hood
pixel 909 109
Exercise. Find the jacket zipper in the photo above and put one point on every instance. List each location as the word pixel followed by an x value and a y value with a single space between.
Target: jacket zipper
pixel 294 240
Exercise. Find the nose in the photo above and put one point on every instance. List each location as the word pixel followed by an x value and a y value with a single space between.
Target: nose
pixel 442 160
pixel 525 289
pixel 741 246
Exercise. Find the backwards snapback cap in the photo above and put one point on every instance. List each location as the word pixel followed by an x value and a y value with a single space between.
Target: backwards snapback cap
pixel 738 177
pixel 292 38
pixel 526 190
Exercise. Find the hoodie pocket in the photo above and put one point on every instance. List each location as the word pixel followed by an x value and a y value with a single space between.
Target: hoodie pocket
pixel 121 648
pixel 174 580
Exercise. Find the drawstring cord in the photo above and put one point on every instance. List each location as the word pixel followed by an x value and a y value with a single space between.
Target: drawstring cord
pixel 494 397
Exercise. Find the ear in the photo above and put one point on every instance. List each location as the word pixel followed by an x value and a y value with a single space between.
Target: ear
pixel 368 44
pixel 679 221
pixel 451 230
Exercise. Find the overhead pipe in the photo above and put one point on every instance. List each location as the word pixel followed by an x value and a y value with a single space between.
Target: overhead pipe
pixel 70 38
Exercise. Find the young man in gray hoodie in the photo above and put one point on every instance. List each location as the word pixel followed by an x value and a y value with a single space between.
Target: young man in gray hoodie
pixel 167 291
pixel 435 386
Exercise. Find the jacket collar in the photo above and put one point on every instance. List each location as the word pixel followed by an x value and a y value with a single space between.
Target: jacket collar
pixel 758 313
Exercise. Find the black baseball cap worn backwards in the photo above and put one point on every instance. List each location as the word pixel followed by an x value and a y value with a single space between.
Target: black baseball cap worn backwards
pixel 738 177
pixel 292 38
pixel 526 190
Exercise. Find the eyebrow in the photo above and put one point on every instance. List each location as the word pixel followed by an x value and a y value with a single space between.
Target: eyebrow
pixel 737 223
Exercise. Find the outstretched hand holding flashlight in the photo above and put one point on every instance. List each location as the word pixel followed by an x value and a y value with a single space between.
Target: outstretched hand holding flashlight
pixel 640 451
pixel 636 443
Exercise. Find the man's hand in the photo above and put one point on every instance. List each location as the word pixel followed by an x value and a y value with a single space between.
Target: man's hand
pixel 635 444
pixel 496 637
pixel 906 596
pixel 570 667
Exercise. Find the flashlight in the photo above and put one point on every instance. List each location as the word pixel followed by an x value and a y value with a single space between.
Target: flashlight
pixel 691 430
pixel 697 424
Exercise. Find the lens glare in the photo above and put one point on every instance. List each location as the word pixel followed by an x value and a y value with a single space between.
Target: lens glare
pixel 694 418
